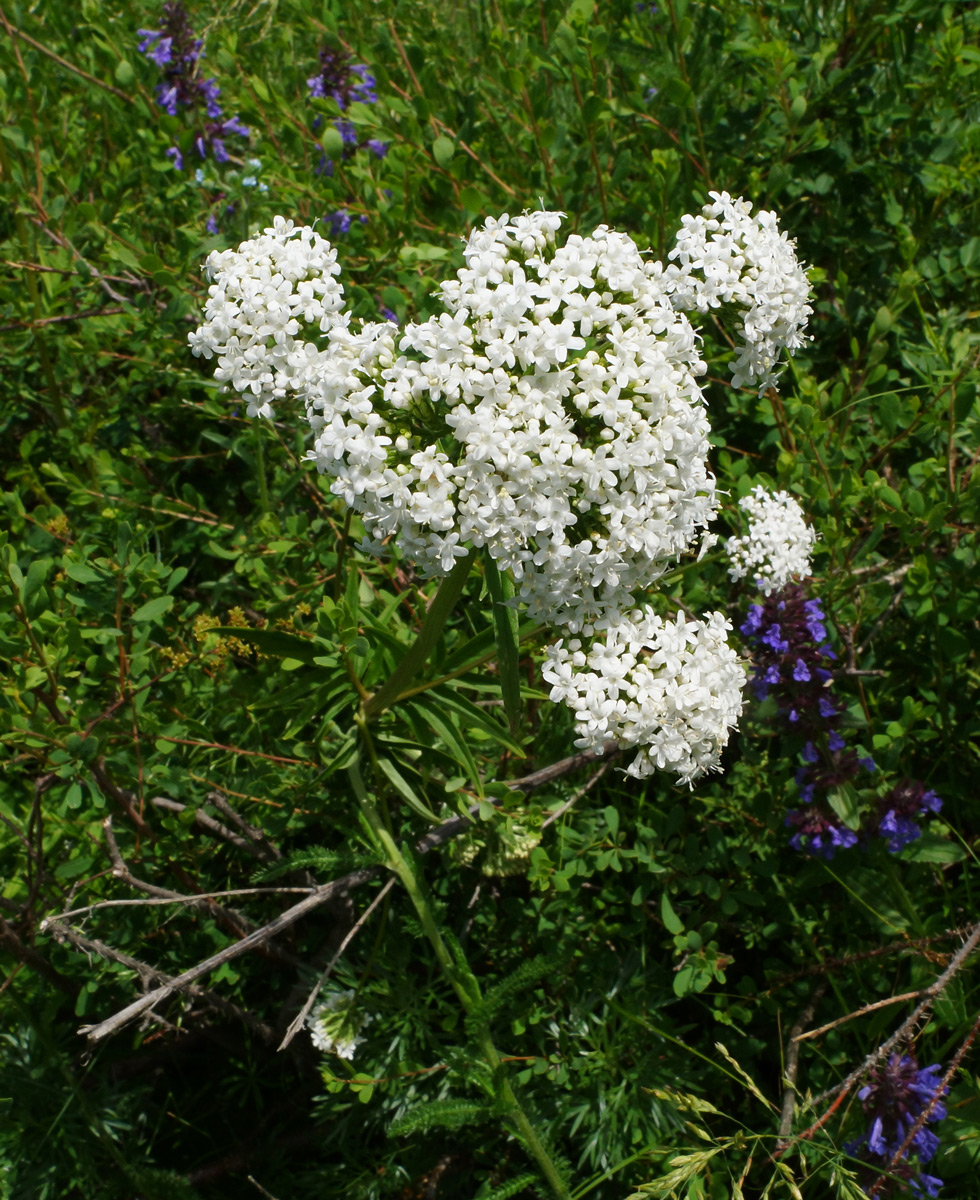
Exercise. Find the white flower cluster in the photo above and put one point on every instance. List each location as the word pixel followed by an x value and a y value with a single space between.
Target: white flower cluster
pixel 671 688
pixel 778 543
pixel 552 415
pixel 727 256
pixel 266 296
pixel 334 1025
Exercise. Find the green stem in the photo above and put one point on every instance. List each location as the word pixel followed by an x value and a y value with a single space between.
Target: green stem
pixel 442 605
pixel 260 456
pixel 464 984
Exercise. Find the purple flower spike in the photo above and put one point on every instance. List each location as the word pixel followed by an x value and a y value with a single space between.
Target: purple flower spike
pixel 339 222
pixel 176 51
pixel 897 810
pixel 895 1097
pixel 341 80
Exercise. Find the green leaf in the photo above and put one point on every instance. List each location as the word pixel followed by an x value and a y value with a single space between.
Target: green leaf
pixel 930 848
pixel 442 724
pixel 505 625
pixel 476 718
pixel 671 920
pixel 333 144
pixel 440 1114
pixel 153 608
pixel 443 149
pixel 890 497
pixel 405 790
pixel 844 801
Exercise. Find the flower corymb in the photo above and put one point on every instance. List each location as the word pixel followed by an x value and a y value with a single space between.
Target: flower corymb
pixel 672 689
pixel 778 544
pixel 726 256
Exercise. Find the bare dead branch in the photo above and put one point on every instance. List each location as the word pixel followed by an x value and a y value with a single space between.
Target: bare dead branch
pixel 263 847
pixel 793 1064
pixel 860 1012
pixel 210 825
pixel 149 975
pixel 904 1030
pixel 258 937
pixel 177 898
pixel 322 894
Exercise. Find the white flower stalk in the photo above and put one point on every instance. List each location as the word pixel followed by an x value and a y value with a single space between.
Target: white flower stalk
pixel 725 256
pixel 671 689
pixel 778 543
pixel 552 415
pixel 265 299
pixel 334 1025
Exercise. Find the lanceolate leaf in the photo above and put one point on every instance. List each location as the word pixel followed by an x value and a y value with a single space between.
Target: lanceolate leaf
pixel 505 626
pixel 405 789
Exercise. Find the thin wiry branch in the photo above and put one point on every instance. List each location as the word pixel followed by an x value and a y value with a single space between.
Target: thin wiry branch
pixel 904 1030
pixel 297 1023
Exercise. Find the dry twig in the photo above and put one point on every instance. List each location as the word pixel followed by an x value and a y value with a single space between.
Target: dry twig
pixel 297 1023
pixel 318 897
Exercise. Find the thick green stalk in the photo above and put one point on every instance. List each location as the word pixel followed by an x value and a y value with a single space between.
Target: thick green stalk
pixel 464 984
pixel 442 605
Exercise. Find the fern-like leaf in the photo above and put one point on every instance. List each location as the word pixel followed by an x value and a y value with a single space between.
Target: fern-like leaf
pixel 508 1189
pixel 441 1114
pixel 501 995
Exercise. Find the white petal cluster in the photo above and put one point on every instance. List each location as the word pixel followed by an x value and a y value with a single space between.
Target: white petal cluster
pixel 268 297
pixel 334 1025
pixel 551 414
pixel 673 689
pixel 725 256
pixel 778 543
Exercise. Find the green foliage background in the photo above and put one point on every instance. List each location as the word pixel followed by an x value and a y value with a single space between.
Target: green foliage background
pixel 181 606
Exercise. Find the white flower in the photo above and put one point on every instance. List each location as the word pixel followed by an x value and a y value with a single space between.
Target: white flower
pixel 671 689
pixel 551 414
pixel 264 297
pixel 727 256
pixel 778 543
pixel 334 1025
pixel 582 470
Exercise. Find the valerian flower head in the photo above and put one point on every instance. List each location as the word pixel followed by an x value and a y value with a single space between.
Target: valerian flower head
pixel 267 298
pixel 726 256
pixel 551 414
pixel 670 689
pixel 335 1024
pixel 778 543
